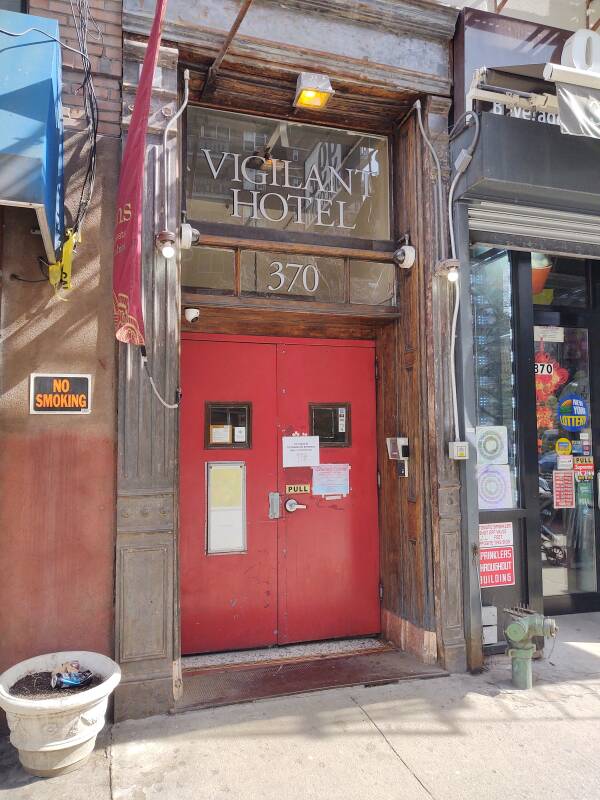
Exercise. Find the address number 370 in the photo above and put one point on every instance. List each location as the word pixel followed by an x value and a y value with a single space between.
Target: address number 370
pixel 286 276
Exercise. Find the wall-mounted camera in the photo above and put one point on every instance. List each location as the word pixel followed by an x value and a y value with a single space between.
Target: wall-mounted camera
pixel 191 315
pixel 405 256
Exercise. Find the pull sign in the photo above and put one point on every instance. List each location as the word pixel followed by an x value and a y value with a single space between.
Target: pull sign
pixel 297 488
pixel 64 393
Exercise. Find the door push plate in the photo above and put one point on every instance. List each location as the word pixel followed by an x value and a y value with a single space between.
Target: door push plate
pixel 274 505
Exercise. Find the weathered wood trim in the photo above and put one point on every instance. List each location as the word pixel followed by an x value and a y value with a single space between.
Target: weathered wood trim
pixel 443 473
pixel 398 16
pixel 147 503
pixel 251 52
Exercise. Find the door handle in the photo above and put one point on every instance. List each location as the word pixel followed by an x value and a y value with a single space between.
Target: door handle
pixel 292 505
pixel 274 505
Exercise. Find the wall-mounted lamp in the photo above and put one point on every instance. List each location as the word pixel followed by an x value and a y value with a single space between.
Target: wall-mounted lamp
pixel 165 243
pixel 452 274
pixel 313 90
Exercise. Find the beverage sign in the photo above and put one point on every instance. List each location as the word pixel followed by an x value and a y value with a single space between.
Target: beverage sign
pixel 496 555
pixel 64 393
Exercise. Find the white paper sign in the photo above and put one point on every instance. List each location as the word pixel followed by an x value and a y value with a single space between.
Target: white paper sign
pixel 548 333
pixel 492 444
pixel 496 534
pixel 494 486
pixel 239 434
pixel 564 462
pixel 300 451
pixel 331 479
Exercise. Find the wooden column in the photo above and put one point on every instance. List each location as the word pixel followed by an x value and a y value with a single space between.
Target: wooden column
pixel 444 473
pixel 422 608
pixel 146 631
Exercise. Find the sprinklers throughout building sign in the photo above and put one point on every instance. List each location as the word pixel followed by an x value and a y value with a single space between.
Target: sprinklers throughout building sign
pixel 60 394
pixel 496 555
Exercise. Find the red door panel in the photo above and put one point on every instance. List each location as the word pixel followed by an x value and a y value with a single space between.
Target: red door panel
pixel 228 601
pixel 314 573
pixel 329 552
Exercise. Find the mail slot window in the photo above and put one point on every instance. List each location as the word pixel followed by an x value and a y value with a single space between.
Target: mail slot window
pixel 228 425
pixel 331 423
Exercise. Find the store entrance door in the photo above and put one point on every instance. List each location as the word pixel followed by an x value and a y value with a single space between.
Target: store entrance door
pixel 273 551
pixel 565 345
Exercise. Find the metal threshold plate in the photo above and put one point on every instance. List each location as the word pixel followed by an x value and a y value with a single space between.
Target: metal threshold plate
pixel 240 683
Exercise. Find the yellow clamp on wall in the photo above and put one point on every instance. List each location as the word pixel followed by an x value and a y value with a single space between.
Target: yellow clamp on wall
pixel 59 274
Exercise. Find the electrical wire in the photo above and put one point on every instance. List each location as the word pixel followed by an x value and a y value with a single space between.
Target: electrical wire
pixel 165 153
pixel 43 279
pixel 153 385
pixel 440 191
pixel 80 11
pixel 464 164
pixel 82 16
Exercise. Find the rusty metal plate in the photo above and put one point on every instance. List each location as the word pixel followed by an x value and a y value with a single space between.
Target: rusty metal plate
pixel 219 686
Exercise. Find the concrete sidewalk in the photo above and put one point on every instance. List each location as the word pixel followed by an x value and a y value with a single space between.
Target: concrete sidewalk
pixel 452 738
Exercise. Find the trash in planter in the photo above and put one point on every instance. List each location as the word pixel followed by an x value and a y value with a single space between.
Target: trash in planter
pixel 38 686
pixel 69 675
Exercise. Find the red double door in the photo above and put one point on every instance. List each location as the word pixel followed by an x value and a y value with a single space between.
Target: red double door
pixel 252 576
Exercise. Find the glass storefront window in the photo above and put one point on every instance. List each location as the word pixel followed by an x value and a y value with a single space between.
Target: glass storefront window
pixel 496 438
pixel 255 172
pixel 565 460
pixel 558 281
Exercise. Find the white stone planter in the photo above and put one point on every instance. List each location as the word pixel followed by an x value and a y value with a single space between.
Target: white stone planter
pixel 57 735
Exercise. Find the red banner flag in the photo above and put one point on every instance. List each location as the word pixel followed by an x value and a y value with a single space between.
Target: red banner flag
pixel 127 263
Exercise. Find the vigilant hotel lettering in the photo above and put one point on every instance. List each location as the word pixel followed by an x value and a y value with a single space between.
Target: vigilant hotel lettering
pixel 277 205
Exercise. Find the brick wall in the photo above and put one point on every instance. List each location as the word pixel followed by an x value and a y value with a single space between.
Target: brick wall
pixel 106 55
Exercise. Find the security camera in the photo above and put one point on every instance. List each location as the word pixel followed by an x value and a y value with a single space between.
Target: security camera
pixel 405 256
pixel 192 315
pixel 188 236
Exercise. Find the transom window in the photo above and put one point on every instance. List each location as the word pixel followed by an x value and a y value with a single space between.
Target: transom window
pixel 258 173
pixel 293 212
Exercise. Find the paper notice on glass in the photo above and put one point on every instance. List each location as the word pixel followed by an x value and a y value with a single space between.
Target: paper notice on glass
pixel 492 444
pixel 494 486
pixel 563 489
pixel 226 507
pixel 331 479
pixel 548 333
pixel 220 434
pixel 300 451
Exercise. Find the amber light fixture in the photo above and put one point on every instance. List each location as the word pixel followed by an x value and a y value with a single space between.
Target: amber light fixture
pixel 313 91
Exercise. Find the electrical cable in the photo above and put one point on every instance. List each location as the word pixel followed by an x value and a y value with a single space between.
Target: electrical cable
pixel 80 11
pixel 165 155
pixel 172 121
pixel 153 385
pixel 462 162
pixel 43 279
pixel 440 191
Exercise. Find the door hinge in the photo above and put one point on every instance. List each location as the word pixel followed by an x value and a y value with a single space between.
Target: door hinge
pixel 376 370
pixel 378 479
pixel 381 591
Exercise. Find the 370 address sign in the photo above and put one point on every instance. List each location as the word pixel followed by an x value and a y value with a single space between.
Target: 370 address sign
pixel 284 277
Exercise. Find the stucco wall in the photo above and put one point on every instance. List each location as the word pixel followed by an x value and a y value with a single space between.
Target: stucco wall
pixel 57 484
pixel 57 473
